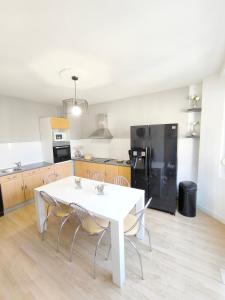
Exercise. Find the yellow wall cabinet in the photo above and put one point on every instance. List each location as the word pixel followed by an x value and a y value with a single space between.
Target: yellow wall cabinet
pixel 59 123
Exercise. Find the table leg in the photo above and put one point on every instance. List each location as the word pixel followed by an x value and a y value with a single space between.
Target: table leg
pixel 139 206
pixel 118 262
pixel 40 211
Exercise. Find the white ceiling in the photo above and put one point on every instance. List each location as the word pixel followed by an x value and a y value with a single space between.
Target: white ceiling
pixel 118 48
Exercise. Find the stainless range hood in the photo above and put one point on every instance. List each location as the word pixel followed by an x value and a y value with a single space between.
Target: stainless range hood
pixel 102 131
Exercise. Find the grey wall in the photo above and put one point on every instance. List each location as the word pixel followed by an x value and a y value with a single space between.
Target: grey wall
pixel 19 119
pixel 163 107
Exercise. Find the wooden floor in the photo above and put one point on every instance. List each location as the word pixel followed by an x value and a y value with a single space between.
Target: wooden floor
pixel 184 264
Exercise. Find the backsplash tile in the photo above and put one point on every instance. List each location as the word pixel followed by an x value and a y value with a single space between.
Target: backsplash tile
pixel 27 152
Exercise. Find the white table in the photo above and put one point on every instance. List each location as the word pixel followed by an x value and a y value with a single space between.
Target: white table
pixel 114 205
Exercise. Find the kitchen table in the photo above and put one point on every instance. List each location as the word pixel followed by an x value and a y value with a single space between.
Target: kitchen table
pixel 114 205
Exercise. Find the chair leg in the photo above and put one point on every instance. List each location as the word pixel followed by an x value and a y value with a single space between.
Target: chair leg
pixel 72 245
pixel 149 238
pixel 139 256
pixel 108 253
pixel 63 221
pixel 43 228
pixel 96 249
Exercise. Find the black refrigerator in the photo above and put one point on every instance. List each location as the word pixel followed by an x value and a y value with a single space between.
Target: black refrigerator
pixel 153 157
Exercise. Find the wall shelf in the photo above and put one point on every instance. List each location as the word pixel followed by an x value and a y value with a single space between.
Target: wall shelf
pixel 194 109
pixel 192 136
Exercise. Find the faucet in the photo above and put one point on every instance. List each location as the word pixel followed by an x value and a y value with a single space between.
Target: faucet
pixel 18 165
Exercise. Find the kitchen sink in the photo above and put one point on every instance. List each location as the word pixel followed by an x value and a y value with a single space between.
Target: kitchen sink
pixel 10 170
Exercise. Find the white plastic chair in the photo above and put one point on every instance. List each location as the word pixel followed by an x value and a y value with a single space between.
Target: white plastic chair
pixel 121 180
pixel 91 224
pixel 132 224
pixel 54 208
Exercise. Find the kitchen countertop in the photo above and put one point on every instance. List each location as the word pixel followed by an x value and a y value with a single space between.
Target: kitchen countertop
pixel 28 168
pixel 106 161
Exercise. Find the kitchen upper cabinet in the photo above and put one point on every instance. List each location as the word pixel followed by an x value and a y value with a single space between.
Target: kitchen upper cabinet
pixel 12 189
pixel 59 123
pixel 32 179
pixel 125 172
pixel 64 169
pixel 111 171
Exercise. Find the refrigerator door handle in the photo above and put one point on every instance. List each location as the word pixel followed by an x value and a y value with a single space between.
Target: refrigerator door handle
pixel 146 161
pixel 149 161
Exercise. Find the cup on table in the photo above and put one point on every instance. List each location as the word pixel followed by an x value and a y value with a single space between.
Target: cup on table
pixel 77 183
pixel 100 189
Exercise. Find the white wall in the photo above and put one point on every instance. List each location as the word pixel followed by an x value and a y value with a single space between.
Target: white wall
pixel 211 182
pixel 158 108
pixel 19 119
pixel 19 130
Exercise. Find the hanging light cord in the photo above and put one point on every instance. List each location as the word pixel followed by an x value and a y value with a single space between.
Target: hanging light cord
pixel 75 93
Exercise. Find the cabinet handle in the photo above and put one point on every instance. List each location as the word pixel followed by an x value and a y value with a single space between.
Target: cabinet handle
pixel 22 186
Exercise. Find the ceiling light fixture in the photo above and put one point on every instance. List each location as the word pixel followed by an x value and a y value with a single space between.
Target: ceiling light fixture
pixel 77 106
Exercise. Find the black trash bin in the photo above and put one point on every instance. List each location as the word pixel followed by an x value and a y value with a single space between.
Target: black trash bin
pixel 187 198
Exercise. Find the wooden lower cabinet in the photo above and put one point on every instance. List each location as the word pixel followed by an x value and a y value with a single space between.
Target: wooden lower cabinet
pixel 12 189
pixel 83 169
pixel 19 187
pixel 45 172
pixel 93 167
pixel 111 172
pixel 64 169
pixel 125 172
pixel 32 179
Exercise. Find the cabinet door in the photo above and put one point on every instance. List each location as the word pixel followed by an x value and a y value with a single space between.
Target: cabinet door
pixel 125 172
pixel 81 169
pixel 64 169
pixel 93 167
pixel 45 172
pixel 12 191
pixel 59 123
pixel 110 172
pixel 32 180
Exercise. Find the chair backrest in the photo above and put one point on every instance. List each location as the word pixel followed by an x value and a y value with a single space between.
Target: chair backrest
pixel 98 176
pixel 139 215
pixel 82 213
pixel 52 177
pixel 120 180
pixel 79 212
pixel 49 199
